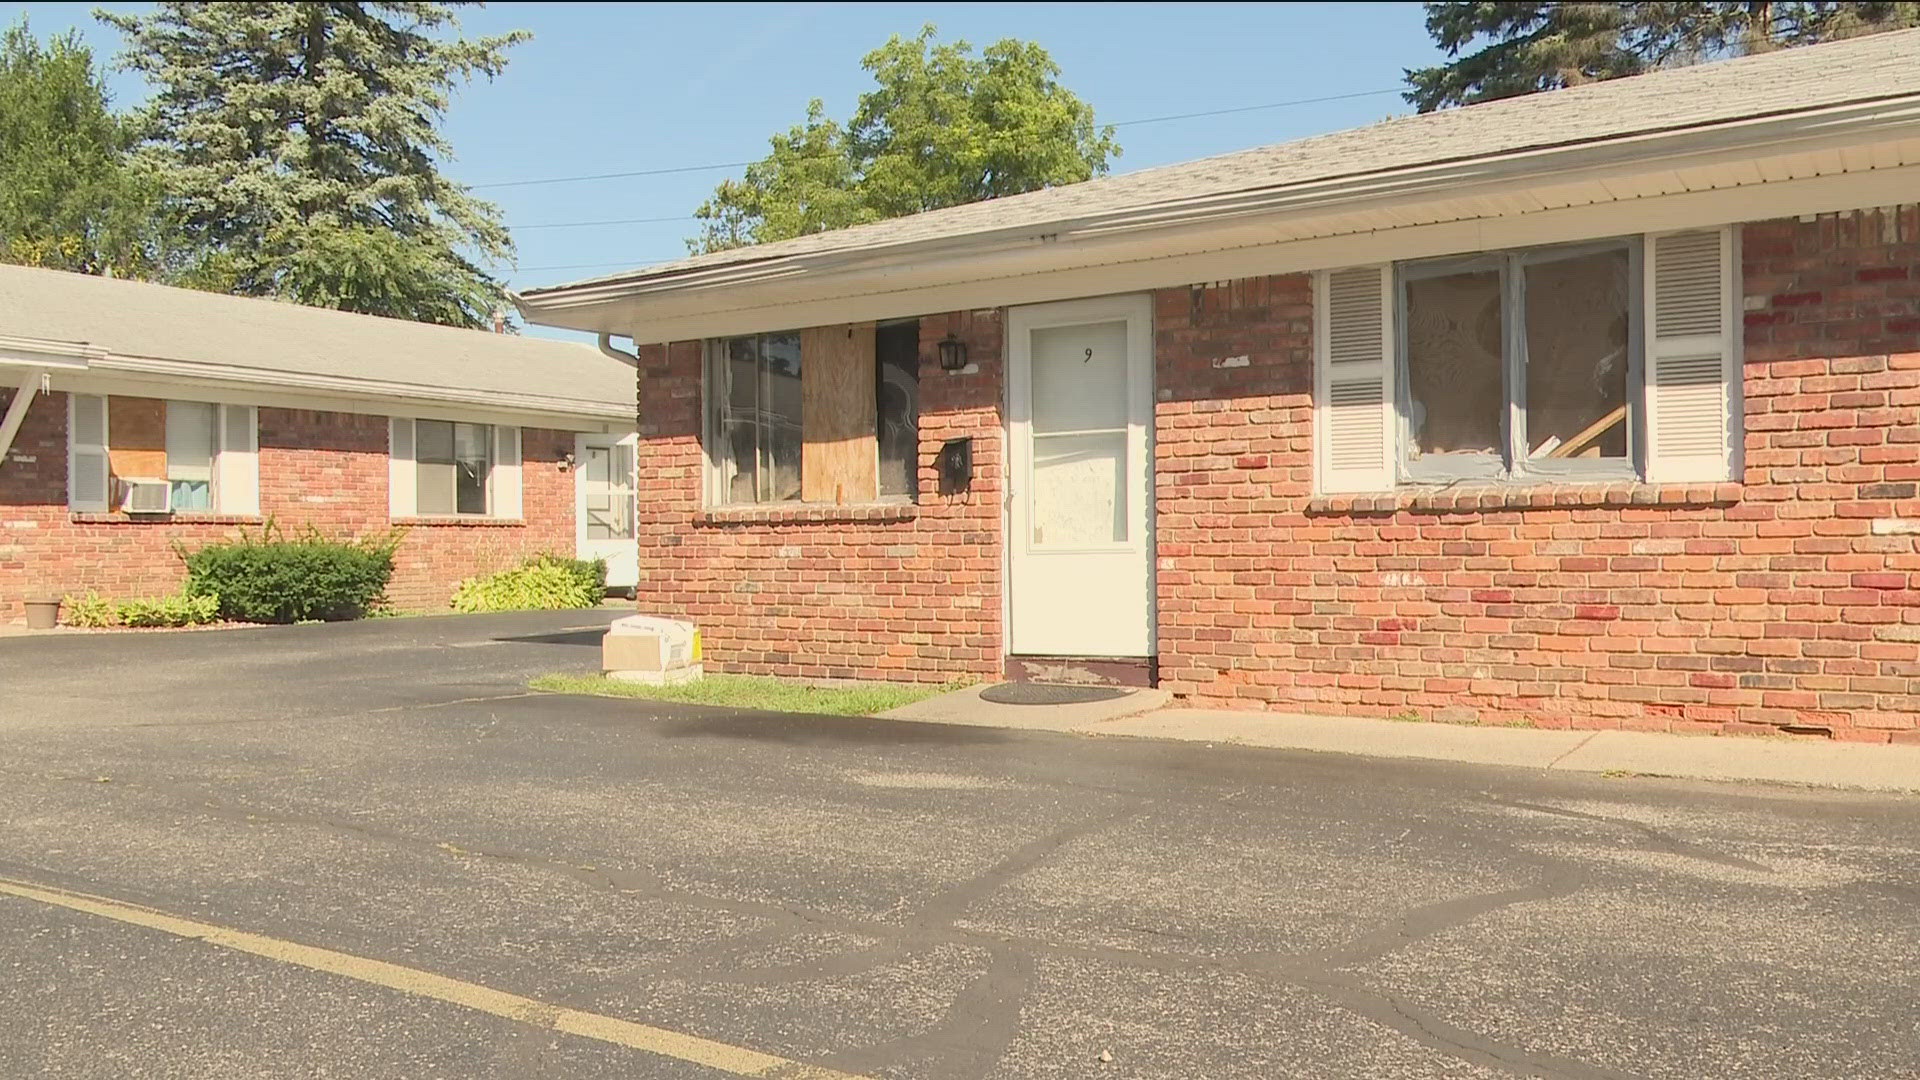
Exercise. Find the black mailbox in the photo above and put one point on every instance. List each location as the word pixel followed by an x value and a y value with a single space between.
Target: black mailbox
pixel 956 465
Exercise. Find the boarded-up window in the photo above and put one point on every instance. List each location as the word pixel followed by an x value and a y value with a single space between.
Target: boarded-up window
pixel 207 454
pixel 829 414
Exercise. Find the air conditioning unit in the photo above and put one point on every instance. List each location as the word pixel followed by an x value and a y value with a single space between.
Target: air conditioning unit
pixel 142 495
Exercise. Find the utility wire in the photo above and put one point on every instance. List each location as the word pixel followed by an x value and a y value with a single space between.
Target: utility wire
pixel 1253 108
pixel 596 266
pixel 744 164
pixel 615 175
pixel 615 221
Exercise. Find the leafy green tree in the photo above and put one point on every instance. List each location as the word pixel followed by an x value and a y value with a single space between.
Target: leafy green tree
pixel 1498 50
pixel 299 149
pixel 942 127
pixel 68 196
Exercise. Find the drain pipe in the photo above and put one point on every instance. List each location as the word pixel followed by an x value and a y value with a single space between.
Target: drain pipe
pixel 632 360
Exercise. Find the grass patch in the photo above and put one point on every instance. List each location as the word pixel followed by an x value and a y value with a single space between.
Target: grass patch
pixel 754 692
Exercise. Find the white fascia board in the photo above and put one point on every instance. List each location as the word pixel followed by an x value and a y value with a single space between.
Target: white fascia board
pixel 1250 254
pixel 371 392
pixel 620 304
pixel 271 395
pixel 46 353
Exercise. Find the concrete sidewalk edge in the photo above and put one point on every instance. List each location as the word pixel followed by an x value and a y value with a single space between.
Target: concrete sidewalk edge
pixel 1691 757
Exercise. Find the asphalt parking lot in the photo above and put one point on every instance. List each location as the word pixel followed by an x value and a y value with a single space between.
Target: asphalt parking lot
pixel 366 850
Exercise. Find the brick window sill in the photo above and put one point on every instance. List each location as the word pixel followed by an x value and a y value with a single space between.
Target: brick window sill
pixel 804 514
pixel 88 517
pixel 1472 498
pixel 453 522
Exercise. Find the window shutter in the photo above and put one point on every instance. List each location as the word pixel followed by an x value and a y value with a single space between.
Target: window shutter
pixel 238 468
pixel 506 472
pixel 1692 372
pixel 400 468
pixel 1353 379
pixel 87 474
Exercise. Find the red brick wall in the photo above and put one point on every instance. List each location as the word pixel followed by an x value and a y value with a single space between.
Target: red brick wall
pixel 326 469
pixel 1793 601
pixel 906 595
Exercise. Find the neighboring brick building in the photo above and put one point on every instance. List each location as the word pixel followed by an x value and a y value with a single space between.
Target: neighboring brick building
pixel 1597 408
pixel 240 411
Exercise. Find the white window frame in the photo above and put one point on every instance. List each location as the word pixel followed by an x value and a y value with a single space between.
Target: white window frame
pixel 504 471
pixel 1514 465
pixel 234 483
pixel 1685 371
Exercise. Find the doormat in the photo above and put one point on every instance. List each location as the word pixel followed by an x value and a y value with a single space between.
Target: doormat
pixel 1037 693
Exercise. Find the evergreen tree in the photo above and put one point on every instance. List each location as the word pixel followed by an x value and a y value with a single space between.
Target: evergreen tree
pixel 942 127
pixel 68 197
pixel 298 147
pixel 1499 49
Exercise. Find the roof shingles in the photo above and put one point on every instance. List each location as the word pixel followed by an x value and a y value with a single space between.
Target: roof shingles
pixel 1838 73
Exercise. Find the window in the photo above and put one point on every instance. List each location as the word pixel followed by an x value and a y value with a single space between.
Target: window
pixel 454 462
pixel 1590 361
pixel 449 468
pixel 207 454
pixel 758 423
pixel 1519 364
pixel 192 437
pixel 825 415
pixel 896 397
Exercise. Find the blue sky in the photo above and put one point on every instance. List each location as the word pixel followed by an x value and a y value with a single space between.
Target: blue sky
pixel 614 88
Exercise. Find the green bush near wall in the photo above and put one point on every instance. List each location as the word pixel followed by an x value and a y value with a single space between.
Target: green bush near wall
pixel 267 577
pixel 544 582
pixel 176 610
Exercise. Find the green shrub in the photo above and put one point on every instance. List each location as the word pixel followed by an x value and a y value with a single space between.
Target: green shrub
pixel 176 610
pixel 543 582
pixel 267 577
pixel 92 611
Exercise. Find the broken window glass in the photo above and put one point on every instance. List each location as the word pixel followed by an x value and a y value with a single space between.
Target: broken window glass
pixel 1454 367
pixel 1577 356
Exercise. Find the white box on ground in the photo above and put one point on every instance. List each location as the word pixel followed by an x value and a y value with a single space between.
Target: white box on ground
pixel 647 649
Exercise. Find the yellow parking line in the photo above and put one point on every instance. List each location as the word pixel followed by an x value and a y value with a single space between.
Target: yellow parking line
pixel 737 1060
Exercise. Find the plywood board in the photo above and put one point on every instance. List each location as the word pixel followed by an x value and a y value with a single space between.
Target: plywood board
pixel 137 437
pixel 839 458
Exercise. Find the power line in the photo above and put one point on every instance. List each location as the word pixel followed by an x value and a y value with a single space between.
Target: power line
pixel 744 164
pixel 614 221
pixel 615 175
pixel 594 266
pixel 1253 108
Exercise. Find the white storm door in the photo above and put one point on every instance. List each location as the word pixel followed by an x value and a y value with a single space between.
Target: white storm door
pixel 604 505
pixel 1080 488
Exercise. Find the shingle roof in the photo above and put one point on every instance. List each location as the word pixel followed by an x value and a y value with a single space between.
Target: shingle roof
pixel 1791 80
pixel 139 319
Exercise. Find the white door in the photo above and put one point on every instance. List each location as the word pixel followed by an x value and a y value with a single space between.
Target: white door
pixel 1079 505
pixel 604 505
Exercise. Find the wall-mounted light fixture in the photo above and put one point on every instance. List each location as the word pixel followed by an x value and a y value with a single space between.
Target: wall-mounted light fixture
pixel 567 462
pixel 953 353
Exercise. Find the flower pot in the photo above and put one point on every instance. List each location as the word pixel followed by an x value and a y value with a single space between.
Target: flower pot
pixel 43 614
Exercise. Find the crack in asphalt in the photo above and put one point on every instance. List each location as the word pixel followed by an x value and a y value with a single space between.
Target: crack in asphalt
pixel 985 1015
pixel 1660 841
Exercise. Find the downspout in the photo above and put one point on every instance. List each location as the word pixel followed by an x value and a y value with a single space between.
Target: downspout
pixel 632 360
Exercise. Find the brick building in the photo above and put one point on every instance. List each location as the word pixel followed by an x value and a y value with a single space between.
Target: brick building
pixel 1595 408
pixel 136 417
